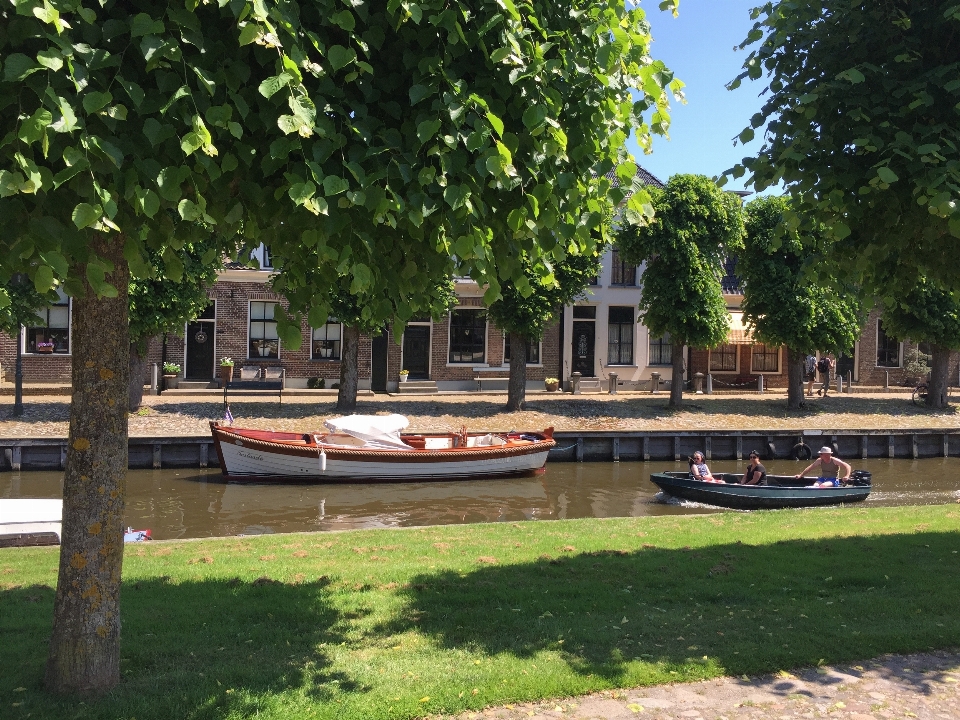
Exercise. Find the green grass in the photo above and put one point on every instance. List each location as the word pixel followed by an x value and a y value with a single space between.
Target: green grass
pixel 397 624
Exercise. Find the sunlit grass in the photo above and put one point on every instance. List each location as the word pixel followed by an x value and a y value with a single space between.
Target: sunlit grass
pixel 396 624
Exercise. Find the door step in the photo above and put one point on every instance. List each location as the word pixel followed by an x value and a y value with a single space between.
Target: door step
pixel 590 385
pixel 417 387
pixel 199 385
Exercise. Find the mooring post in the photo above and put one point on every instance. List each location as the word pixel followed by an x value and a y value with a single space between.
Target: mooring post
pixel 579 449
pixel 760 383
pixel 709 383
pixel 613 383
pixel 849 381
pixel 708 447
pixel 739 447
pixel 890 449
pixel 864 439
pixel 204 454
pixel 946 445
pixel 913 443
pixel 646 448
pixel 154 379
pixel 698 383
pixel 63 457
pixel 676 447
pixel 654 382
pixel 156 456
pixel 886 381
pixel 616 449
pixel 15 458
pixel 839 383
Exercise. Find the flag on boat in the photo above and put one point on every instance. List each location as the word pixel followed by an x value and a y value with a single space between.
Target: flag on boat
pixel 228 416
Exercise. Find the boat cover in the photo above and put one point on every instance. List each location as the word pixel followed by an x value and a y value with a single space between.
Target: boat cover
pixel 376 431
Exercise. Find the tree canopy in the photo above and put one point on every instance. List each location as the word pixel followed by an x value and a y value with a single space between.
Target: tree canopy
pixel 860 125
pixel 781 303
pixel 696 226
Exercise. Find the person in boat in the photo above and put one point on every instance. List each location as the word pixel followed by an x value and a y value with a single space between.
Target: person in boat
pixel 828 465
pixel 699 469
pixel 756 473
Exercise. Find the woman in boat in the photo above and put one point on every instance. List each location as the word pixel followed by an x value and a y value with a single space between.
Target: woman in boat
pixel 756 473
pixel 828 465
pixel 699 469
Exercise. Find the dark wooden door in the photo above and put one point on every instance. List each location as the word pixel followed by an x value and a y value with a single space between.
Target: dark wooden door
pixel 200 355
pixel 416 351
pixel 378 376
pixel 584 339
pixel 845 364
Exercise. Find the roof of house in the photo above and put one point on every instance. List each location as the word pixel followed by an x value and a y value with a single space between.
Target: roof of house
pixel 645 176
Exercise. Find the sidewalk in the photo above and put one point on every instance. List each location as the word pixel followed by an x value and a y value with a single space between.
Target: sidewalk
pixel 922 686
pixel 167 415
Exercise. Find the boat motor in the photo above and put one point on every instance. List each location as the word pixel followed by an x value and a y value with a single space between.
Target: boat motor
pixel 861 478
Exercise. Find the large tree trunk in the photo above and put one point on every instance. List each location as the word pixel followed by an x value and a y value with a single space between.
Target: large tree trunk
pixel 85 642
pixel 676 381
pixel 795 363
pixel 517 385
pixel 937 386
pixel 138 366
pixel 347 396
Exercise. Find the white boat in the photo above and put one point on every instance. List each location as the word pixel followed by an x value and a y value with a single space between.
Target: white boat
pixel 38 521
pixel 366 448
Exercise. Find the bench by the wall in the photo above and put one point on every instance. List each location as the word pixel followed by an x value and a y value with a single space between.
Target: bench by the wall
pixel 256 379
pixel 484 374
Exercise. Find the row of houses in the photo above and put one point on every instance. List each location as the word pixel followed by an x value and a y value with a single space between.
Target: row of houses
pixel 596 336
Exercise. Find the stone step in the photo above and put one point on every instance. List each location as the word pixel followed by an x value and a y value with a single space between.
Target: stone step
pixel 199 385
pixel 590 385
pixel 417 387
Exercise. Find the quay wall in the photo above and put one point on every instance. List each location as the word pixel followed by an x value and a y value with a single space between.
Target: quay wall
pixel 597 446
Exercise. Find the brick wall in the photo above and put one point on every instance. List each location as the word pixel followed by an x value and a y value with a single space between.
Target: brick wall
pixel 700 362
pixel 869 373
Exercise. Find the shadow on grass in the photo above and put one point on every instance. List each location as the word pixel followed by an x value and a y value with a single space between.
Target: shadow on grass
pixel 736 608
pixel 196 649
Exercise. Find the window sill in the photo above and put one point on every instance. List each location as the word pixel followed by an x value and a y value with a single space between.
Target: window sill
pixel 888 367
pixel 622 286
pixel 724 372
pixel 325 360
pixel 614 365
pixel 45 354
pixel 507 366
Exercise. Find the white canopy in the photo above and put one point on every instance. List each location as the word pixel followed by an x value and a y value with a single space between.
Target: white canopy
pixel 379 431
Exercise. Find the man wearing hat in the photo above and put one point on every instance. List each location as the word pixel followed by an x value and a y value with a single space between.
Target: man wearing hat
pixel 828 465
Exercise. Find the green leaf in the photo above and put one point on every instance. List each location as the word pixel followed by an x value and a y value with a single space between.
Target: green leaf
pixel 18 66
pixel 289 124
pixel 68 119
pixel 340 56
pixel 88 15
pixel 235 215
pixel 43 278
pixel 303 108
pixel 746 136
pixel 361 278
pixel 85 215
pixel 169 183
pixel 189 210
pixel 456 195
pixel 94 101
pixel 191 142
pixel 928 148
pixel 150 203
pixel 496 123
pixel 887 175
pixel 207 82
pixel 516 219
pixel 272 85
pixel 500 54
pixel 344 19
pixel 236 129
pixel 333 185
pixel 249 33
pixel 419 92
pixel 143 24
pixel 156 132
pixel 534 116
pixel 301 192
pixel 50 58
pixel 10 183
pixel 34 127
pixel 427 129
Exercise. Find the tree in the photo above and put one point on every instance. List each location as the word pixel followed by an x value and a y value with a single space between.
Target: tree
pixel 928 313
pixel 781 303
pixel 24 302
pixel 124 117
pixel 524 310
pixel 860 127
pixel 159 304
pixel 695 227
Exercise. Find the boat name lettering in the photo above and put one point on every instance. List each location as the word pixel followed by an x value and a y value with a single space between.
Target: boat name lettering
pixel 251 456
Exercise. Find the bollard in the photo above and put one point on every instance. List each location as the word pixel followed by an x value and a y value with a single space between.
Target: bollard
pixel 849 381
pixel 709 383
pixel 654 382
pixel 613 383
pixel 839 383
pixel 698 383
pixel 760 384
pixel 886 381
pixel 575 379
pixel 154 377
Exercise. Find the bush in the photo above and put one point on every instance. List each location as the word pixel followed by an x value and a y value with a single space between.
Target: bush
pixel 316 383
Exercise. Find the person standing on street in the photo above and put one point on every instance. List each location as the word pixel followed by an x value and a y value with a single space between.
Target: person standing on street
pixel 810 371
pixel 824 366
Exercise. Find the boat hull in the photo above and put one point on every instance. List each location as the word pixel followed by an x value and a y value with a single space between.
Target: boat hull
pixel 783 492
pixel 250 459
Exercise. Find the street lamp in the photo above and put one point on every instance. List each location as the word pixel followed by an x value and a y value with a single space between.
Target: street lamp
pixel 18 279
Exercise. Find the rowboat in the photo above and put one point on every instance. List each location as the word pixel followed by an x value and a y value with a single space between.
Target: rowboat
pixel 781 491
pixel 39 521
pixel 363 448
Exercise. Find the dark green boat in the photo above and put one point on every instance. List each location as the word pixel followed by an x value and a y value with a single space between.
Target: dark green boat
pixel 781 491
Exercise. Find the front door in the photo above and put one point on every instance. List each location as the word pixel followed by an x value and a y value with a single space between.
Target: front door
pixel 378 376
pixel 200 355
pixel 845 365
pixel 584 338
pixel 416 351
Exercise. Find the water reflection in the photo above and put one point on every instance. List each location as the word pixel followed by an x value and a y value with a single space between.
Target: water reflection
pixel 196 503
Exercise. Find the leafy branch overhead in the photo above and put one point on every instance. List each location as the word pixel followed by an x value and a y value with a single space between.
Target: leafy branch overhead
pixel 354 139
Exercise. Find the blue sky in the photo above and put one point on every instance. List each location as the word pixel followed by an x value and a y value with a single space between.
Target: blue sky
pixel 698 47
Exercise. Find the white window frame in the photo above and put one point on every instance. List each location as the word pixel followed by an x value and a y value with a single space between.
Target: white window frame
pixel 650 340
pixel 486 338
pixel 735 371
pixel 506 362
pixel 876 352
pixel 633 340
pixel 330 321
pixel 250 320
pixel 26 328
pixel 779 369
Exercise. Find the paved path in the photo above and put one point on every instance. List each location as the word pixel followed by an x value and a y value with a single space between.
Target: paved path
pixel 923 686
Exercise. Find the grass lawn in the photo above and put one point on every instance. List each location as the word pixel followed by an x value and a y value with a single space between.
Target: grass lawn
pixel 404 623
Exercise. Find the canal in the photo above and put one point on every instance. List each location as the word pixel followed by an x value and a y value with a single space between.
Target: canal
pixel 185 503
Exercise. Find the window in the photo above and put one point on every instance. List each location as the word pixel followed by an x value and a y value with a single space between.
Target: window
pixel 661 350
pixel 584 312
pixel 623 273
pixel 723 358
pixel 51 331
pixel 888 348
pixel 620 336
pixel 468 336
pixel 765 358
pixel 326 341
pixel 264 341
pixel 262 256
pixel 533 350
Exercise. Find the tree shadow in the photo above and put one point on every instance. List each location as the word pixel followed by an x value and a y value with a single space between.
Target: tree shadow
pixel 198 648
pixel 739 608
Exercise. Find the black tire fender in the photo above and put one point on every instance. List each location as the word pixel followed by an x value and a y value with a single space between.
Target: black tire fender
pixel 801 451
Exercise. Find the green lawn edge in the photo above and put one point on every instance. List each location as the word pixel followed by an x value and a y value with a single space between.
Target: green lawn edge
pixel 400 624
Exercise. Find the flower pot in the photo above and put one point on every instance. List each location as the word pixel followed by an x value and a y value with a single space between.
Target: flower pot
pixel 552 386
pixel 403 378
pixel 45 350
pixel 226 374
pixel 171 382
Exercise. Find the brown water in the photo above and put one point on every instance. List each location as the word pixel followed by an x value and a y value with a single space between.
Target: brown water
pixel 196 503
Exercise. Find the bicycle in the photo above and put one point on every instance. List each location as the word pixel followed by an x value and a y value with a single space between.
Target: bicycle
pixel 920 393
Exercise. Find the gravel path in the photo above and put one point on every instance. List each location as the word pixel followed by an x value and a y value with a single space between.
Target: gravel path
pixel 46 416
pixel 922 686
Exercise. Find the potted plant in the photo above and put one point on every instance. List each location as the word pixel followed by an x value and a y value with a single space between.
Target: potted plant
pixel 44 347
pixel 551 384
pixel 404 374
pixel 226 370
pixel 170 373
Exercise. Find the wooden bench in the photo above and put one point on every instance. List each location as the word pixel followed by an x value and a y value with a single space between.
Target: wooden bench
pixel 479 373
pixel 256 379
